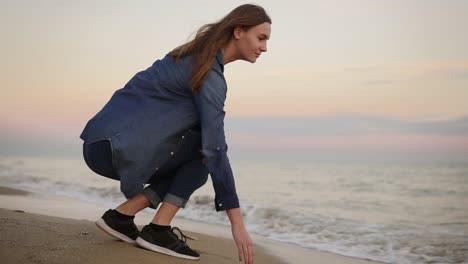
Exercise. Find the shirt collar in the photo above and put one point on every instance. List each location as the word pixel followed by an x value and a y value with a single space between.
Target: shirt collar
pixel 220 59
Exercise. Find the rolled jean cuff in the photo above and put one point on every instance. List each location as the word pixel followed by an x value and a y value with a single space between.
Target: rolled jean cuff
pixel 152 197
pixel 175 200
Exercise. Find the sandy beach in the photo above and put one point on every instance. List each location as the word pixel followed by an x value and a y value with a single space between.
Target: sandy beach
pixel 33 238
pixel 40 228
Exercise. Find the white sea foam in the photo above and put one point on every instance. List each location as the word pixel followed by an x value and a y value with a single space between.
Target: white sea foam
pixel 394 214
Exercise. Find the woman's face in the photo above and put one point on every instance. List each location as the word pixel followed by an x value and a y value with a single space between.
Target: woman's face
pixel 251 43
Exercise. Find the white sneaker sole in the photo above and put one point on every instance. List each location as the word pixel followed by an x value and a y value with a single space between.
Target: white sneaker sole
pixel 145 244
pixel 104 227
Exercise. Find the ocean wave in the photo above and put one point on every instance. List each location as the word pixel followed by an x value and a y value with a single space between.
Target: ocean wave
pixel 392 243
pixel 378 242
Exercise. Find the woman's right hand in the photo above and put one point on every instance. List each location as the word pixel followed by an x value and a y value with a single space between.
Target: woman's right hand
pixel 241 236
pixel 244 244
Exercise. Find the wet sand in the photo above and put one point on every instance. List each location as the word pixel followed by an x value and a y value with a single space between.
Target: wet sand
pixel 40 228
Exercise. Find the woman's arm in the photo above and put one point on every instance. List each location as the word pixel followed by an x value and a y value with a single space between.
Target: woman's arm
pixel 241 236
pixel 209 101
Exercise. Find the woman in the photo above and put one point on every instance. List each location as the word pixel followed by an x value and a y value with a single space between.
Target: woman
pixel 165 129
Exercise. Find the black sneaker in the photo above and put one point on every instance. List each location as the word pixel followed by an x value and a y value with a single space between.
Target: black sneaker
pixel 125 230
pixel 166 242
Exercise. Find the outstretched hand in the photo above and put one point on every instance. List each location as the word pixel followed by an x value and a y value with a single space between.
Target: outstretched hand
pixel 241 236
pixel 244 244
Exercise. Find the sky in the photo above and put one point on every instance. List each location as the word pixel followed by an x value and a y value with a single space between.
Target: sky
pixel 360 78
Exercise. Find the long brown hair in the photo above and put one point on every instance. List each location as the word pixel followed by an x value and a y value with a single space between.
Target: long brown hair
pixel 211 37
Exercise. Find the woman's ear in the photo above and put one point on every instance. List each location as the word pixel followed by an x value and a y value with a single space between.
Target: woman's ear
pixel 238 32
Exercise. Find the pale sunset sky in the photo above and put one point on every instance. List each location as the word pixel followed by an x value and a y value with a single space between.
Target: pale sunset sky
pixel 348 78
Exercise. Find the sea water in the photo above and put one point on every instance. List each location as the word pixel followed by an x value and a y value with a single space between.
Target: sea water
pixel 390 212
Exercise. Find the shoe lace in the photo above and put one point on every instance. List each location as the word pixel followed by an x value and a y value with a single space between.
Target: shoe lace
pixel 183 237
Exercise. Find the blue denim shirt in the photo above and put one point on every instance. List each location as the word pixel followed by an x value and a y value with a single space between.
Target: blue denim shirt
pixel 145 122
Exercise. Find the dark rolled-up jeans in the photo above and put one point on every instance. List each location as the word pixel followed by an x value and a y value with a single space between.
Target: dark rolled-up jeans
pixel 173 183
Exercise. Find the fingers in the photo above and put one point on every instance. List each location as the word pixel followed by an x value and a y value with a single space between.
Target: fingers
pixel 247 253
pixel 241 252
pixel 251 253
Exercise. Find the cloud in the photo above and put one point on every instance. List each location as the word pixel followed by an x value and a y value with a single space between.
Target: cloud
pixel 379 82
pixel 457 75
pixel 437 70
pixel 345 125
pixel 348 137
pixel 364 68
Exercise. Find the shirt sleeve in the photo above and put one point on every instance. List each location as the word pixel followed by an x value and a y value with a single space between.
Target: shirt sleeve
pixel 209 100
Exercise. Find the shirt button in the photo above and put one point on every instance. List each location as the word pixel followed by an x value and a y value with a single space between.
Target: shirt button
pixel 156 168
pixel 172 153
pixel 183 136
pixel 220 204
pixel 217 148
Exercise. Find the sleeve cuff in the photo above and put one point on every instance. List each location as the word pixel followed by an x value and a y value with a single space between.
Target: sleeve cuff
pixel 228 202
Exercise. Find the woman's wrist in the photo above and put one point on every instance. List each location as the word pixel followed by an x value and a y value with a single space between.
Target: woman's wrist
pixel 235 217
